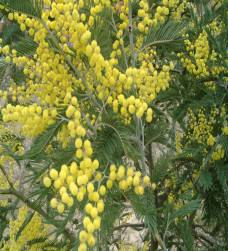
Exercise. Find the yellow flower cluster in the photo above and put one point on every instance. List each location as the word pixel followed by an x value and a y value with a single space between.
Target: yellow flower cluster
pixel 225 130
pixel 48 73
pixel 116 48
pixel 68 75
pixel 143 14
pixel 179 10
pixel 175 8
pixel 127 178
pixel 35 229
pixel 215 27
pixel 84 182
pixel 8 138
pixel 63 136
pixel 200 60
pixel 211 140
pixel 4 95
pixel 149 81
pixel 218 153
pixel 198 52
pixel 15 93
pixel 139 43
pixel 171 4
pixel 211 85
pixel 131 106
pixel 98 6
pixel 200 128
pixel 122 10
pixel 148 59
pixel 161 15
pixel 33 118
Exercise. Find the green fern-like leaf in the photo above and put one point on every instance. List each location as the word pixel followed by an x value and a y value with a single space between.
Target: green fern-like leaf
pixel 205 180
pixel 161 168
pixel 144 207
pixel 114 141
pixel 186 209
pixel 29 7
pixel 186 235
pixel 156 133
pixel 41 142
pixel 18 76
pixel 222 174
pixel 25 46
pixel 102 32
pixel 10 32
pixel 110 215
pixel 167 33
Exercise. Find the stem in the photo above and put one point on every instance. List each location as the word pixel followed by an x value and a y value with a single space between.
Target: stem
pixel 88 122
pixel 6 176
pixel 160 242
pixel 166 229
pixel 131 33
pixel 140 129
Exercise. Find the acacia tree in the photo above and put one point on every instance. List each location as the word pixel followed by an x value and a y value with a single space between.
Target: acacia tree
pixel 119 107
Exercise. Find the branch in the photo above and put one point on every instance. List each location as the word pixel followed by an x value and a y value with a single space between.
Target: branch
pixel 31 205
pixel 207 236
pixel 139 225
pixel 185 159
pixel 150 159
pixel 6 176
pixel 212 79
pixel 5 191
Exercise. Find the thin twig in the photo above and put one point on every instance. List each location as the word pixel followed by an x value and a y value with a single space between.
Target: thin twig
pixel 138 225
